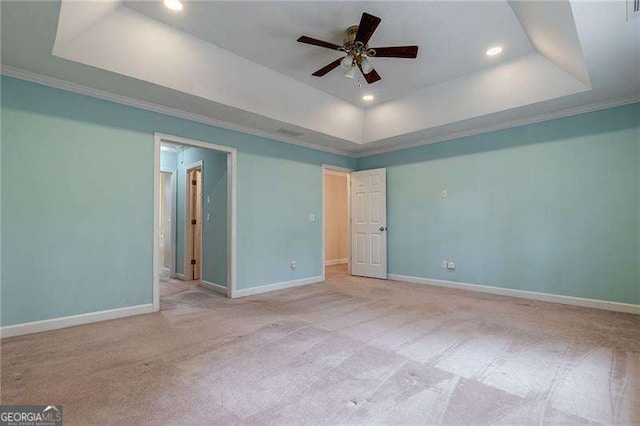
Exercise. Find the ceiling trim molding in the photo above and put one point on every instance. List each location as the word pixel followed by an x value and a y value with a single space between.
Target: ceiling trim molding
pixel 161 109
pixel 153 107
pixel 567 112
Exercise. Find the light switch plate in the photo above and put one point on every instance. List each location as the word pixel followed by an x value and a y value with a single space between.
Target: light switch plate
pixel 312 217
pixel 445 193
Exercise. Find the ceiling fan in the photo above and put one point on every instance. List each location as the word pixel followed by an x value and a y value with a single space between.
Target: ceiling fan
pixel 358 52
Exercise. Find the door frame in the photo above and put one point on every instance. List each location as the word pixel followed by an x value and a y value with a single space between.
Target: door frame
pixel 232 172
pixel 188 235
pixel 172 246
pixel 348 171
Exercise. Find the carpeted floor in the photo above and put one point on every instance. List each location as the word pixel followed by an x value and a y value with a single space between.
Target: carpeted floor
pixel 347 351
pixel 170 285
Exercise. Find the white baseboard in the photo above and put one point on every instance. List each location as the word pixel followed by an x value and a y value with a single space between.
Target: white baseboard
pixel 215 287
pixel 277 286
pixel 63 322
pixel 524 294
pixel 336 262
pixel 180 276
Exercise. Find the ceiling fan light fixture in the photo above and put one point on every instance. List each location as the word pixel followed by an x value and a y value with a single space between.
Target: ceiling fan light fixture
pixel 346 63
pixel 351 73
pixel 366 65
pixel 173 4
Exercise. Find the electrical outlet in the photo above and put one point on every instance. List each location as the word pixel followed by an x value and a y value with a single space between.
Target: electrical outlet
pixel 444 264
pixel 444 193
pixel 312 217
pixel 451 265
pixel 293 264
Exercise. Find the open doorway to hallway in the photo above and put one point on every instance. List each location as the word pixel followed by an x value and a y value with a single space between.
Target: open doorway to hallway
pixel 194 216
pixel 336 222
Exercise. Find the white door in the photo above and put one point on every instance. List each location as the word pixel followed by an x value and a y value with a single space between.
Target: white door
pixel 369 223
pixel 195 221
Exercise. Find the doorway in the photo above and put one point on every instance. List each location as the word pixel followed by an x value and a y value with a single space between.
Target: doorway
pixel 365 213
pixel 336 222
pixel 194 217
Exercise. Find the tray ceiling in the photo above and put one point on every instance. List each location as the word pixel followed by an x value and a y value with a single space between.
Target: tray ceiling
pixel 453 38
pixel 237 65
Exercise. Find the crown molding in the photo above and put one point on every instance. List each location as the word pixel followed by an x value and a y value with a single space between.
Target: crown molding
pixel 153 107
pixel 162 109
pixel 567 112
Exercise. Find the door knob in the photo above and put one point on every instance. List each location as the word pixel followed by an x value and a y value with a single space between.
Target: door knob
pixel 383 228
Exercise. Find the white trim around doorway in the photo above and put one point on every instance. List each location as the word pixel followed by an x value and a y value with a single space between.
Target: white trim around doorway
pixel 232 166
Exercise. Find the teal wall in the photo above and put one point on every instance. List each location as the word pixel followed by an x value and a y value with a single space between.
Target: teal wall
pixel 551 207
pixel 168 160
pixel 214 232
pixel 77 212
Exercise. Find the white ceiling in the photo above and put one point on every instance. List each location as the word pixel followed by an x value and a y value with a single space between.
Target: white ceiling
pixel 451 36
pixel 582 55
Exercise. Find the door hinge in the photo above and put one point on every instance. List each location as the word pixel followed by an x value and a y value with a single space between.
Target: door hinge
pixel 193 221
pixel 193 261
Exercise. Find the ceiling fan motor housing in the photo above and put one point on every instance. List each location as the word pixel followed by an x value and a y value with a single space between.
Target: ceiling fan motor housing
pixel 354 48
pixel 350 36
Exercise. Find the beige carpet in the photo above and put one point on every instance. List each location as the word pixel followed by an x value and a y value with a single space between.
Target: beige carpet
pixel 348 351
pixel 171 285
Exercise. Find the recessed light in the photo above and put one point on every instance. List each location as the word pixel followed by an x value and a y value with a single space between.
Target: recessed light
pixel 173 4
pixel 367 98
pixel 493 51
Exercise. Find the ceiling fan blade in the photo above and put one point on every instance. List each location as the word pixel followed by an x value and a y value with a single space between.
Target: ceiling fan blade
pixel 396 52
pixel 316 42
pixel 372 77
pixel 324 70
pixel 368 24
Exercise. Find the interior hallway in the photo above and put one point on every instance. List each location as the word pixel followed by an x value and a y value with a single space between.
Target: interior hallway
pixel 336 271
pixel 172 285
pixel 349 350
